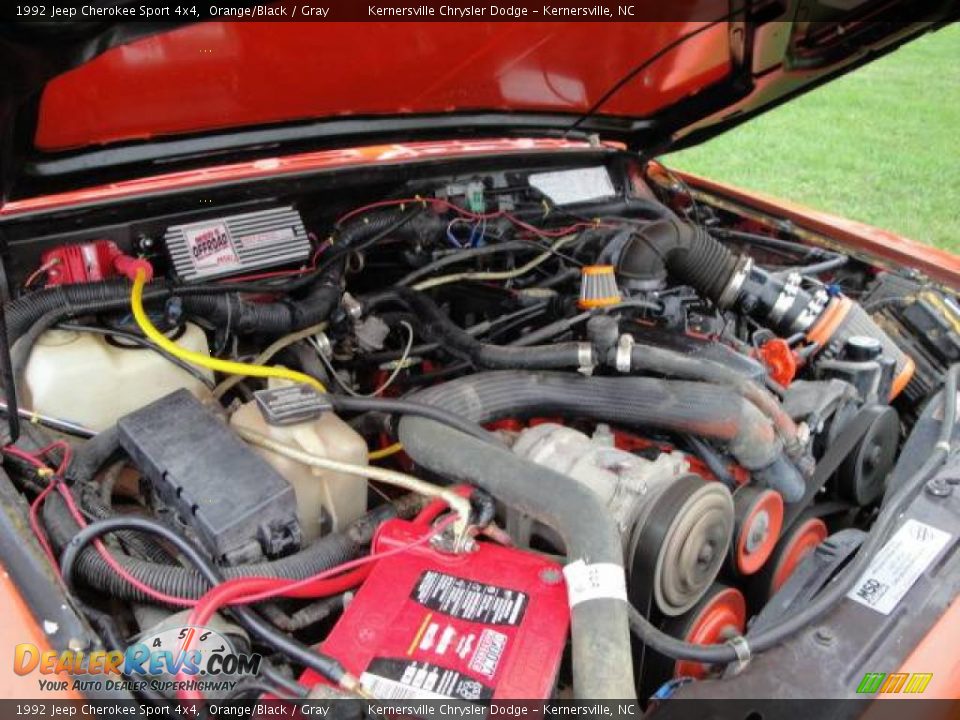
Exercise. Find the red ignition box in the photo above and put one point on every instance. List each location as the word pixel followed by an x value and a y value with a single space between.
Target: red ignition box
pixel 489 624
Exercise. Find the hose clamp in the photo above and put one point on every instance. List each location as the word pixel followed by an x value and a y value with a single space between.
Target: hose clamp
pixel 818 303
pixel 742 649
pixel 585 358
pixel 323 344
pixel 352 306
pixel 786 298
pixel 624 352
pixel 735 285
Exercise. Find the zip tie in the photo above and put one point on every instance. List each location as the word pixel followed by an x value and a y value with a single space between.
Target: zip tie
pixel 942 445
pixel 742 648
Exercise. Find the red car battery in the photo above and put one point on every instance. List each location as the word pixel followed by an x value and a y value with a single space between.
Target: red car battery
pixel 482 625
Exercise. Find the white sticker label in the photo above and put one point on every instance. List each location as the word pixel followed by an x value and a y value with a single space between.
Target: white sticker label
pixel 594 582
pixel 268 237
pixel 210 246
pixel 489 651
pixel 897 566
pixel 565 187
pixel 386 689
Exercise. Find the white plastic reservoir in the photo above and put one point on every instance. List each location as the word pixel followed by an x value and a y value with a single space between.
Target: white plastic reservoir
pixel 339 496
pixel 93 381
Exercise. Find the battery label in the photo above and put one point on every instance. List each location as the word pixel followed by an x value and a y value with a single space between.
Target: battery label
pixel 392 679
pixel 895 569
pixel 490 648
pixel 210 246
pixel 469 600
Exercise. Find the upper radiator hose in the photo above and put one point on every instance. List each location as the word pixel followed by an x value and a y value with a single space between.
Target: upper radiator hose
pixel 699 408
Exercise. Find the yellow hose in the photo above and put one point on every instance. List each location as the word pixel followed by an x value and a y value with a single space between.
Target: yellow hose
pixel 385 452
pixel 228 367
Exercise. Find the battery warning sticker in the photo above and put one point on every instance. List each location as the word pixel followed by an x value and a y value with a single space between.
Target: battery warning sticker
pixel 392 679
pixel 897 566
pixel 210 246
pixel 469 600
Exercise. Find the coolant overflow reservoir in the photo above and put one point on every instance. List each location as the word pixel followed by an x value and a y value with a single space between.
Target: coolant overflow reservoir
pixel 94 380
pixel 326 500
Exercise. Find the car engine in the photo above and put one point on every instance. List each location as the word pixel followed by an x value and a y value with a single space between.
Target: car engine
pixel 483 432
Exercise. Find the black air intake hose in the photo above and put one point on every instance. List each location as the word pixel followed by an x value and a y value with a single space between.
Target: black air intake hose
pixel 602 660
pixel 687 252
pixel 439 328
pixel 324 553
pixel 703 409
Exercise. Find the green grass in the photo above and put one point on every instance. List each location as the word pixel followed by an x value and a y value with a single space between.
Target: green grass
pixel 880 145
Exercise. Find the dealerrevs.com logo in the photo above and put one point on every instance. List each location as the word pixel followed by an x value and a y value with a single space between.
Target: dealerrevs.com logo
pixel 205 657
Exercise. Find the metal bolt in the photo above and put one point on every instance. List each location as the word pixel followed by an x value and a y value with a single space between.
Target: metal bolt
pixel 823 635
pixel 551 576
pixel 939 487
pixel 470 545
pixel 758 531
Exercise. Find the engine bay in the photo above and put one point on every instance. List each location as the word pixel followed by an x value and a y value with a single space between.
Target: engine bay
pixel 494 431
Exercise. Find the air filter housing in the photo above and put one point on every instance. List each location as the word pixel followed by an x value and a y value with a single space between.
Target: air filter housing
pixel 598 287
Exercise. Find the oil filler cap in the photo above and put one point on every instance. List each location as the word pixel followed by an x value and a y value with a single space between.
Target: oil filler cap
pixel 291 404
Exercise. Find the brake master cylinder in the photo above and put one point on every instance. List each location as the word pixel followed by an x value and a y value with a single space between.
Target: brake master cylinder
pixel 294 415
pixel 676 527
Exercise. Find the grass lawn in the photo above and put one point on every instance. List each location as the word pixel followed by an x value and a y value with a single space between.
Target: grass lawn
pixel 880 145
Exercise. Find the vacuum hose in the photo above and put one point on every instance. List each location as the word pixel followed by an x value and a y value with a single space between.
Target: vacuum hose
pixel 439 328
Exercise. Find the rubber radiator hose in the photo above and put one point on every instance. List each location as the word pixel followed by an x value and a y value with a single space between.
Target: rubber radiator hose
pixel 602 659
pixel 704 409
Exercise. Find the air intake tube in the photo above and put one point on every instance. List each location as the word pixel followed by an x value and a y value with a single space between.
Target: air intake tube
pixel 692 256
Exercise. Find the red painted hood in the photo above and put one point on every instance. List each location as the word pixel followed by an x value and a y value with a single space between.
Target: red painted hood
pixel 121 101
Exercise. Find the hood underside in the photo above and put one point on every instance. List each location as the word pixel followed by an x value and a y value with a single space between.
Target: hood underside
pixel 110 102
